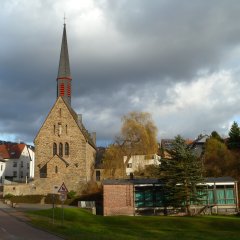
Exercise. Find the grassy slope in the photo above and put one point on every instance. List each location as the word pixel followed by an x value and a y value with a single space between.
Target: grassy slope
pixel 79 224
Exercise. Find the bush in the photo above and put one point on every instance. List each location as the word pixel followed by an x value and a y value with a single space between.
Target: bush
pixel 49 200
pixel 71 194
pixel 27 199
pixel 8 196
pixel 91 187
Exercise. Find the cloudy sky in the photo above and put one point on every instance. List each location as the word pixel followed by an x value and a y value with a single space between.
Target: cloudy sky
pixel 178 60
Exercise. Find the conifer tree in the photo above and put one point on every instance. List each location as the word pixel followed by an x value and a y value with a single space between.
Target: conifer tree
pixel 181 175
pixel 234 136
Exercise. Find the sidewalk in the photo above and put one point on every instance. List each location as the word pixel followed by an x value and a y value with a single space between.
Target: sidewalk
pixel 20 208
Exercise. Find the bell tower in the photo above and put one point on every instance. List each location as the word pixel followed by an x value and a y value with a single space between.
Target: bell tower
pixel 64 75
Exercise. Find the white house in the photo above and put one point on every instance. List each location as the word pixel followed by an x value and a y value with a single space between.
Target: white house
pixel 16 163
pixel 2 169
pixel 138 162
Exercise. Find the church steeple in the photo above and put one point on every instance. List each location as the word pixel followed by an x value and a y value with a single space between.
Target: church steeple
pixel 64 75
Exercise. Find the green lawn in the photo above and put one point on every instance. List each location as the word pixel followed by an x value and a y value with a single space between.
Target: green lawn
pixel 80 224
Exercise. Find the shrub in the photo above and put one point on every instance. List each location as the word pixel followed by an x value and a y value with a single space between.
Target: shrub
pixel 8 196
pixel 27 199
pixel 71 194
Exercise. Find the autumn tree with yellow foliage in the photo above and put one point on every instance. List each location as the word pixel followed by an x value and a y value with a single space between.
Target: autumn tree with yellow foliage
pixel 138 136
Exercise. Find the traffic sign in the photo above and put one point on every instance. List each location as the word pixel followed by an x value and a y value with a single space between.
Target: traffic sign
pixel 63 197
pixel 63 189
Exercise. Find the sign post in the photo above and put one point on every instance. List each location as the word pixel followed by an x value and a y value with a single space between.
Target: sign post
pixel 63 197
pixel 55 188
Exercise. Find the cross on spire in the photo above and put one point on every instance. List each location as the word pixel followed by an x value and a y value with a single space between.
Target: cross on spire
pixel 64 19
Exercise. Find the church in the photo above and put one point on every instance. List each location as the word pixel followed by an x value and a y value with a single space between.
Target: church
pixel 64 150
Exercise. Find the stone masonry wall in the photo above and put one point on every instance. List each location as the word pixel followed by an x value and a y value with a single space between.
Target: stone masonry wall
pixel 72 169
pixel 118 200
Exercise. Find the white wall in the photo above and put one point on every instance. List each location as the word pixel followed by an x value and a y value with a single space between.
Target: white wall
pixel 141 161
pixel 2 171
pixel 23 167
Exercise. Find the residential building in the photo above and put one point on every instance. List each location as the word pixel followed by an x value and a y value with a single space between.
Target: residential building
pixel 139 162
pixel 16 163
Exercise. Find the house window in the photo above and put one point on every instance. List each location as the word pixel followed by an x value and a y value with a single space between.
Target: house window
pixel 129 165
pixel 66 129
pixel 14 164
pixel 56 169
pixel 28 165
pixel 54 129
pixel 14 173
pixel 21 174
pixel 21 164
pixel 54 149
pixel 60 149
pixel 66 149
pixel 98 175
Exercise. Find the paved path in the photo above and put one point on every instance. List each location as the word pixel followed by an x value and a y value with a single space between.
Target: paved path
pixel 13 226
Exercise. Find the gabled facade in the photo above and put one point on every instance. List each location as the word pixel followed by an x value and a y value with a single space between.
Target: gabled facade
pixel 65 152
pixel 16 163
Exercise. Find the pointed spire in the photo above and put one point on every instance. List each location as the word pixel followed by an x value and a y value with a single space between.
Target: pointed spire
pixel 64 74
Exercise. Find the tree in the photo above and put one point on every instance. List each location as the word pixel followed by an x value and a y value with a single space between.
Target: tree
pixel 218 159
pixel 215 135
pixel 234 136
pixel 113 162
pixel 138 136
pixel 181 175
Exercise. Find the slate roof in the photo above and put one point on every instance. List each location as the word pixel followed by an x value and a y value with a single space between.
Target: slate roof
pixel 138 181
pixel 82 128
pixel 64 66
pixel 220 179
pixel 11 151
pixel 134 181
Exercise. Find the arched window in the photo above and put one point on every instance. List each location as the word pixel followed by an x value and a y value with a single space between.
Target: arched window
pixel 60 149
pixel 56 169
pixel 66 149
pixel 54 149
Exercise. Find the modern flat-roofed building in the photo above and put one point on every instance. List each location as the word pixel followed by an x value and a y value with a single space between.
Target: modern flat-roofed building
pixel 144 196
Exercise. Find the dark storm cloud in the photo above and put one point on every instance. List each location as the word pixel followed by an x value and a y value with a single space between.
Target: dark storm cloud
pixel 135 50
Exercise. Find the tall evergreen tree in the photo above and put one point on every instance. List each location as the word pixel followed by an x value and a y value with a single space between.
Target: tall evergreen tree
pixel 181 175
pixel 234 136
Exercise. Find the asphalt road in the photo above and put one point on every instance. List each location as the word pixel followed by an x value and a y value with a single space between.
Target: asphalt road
pixel 13 227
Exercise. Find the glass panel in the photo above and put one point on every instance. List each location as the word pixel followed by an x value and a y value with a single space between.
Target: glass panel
pixel 210 197
pixel 139 196
pixel 148 195
pixel 139 204
pixel 158 196
pixel 229 196
pixel 148 204
pixel 229 193
pixel 220 196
